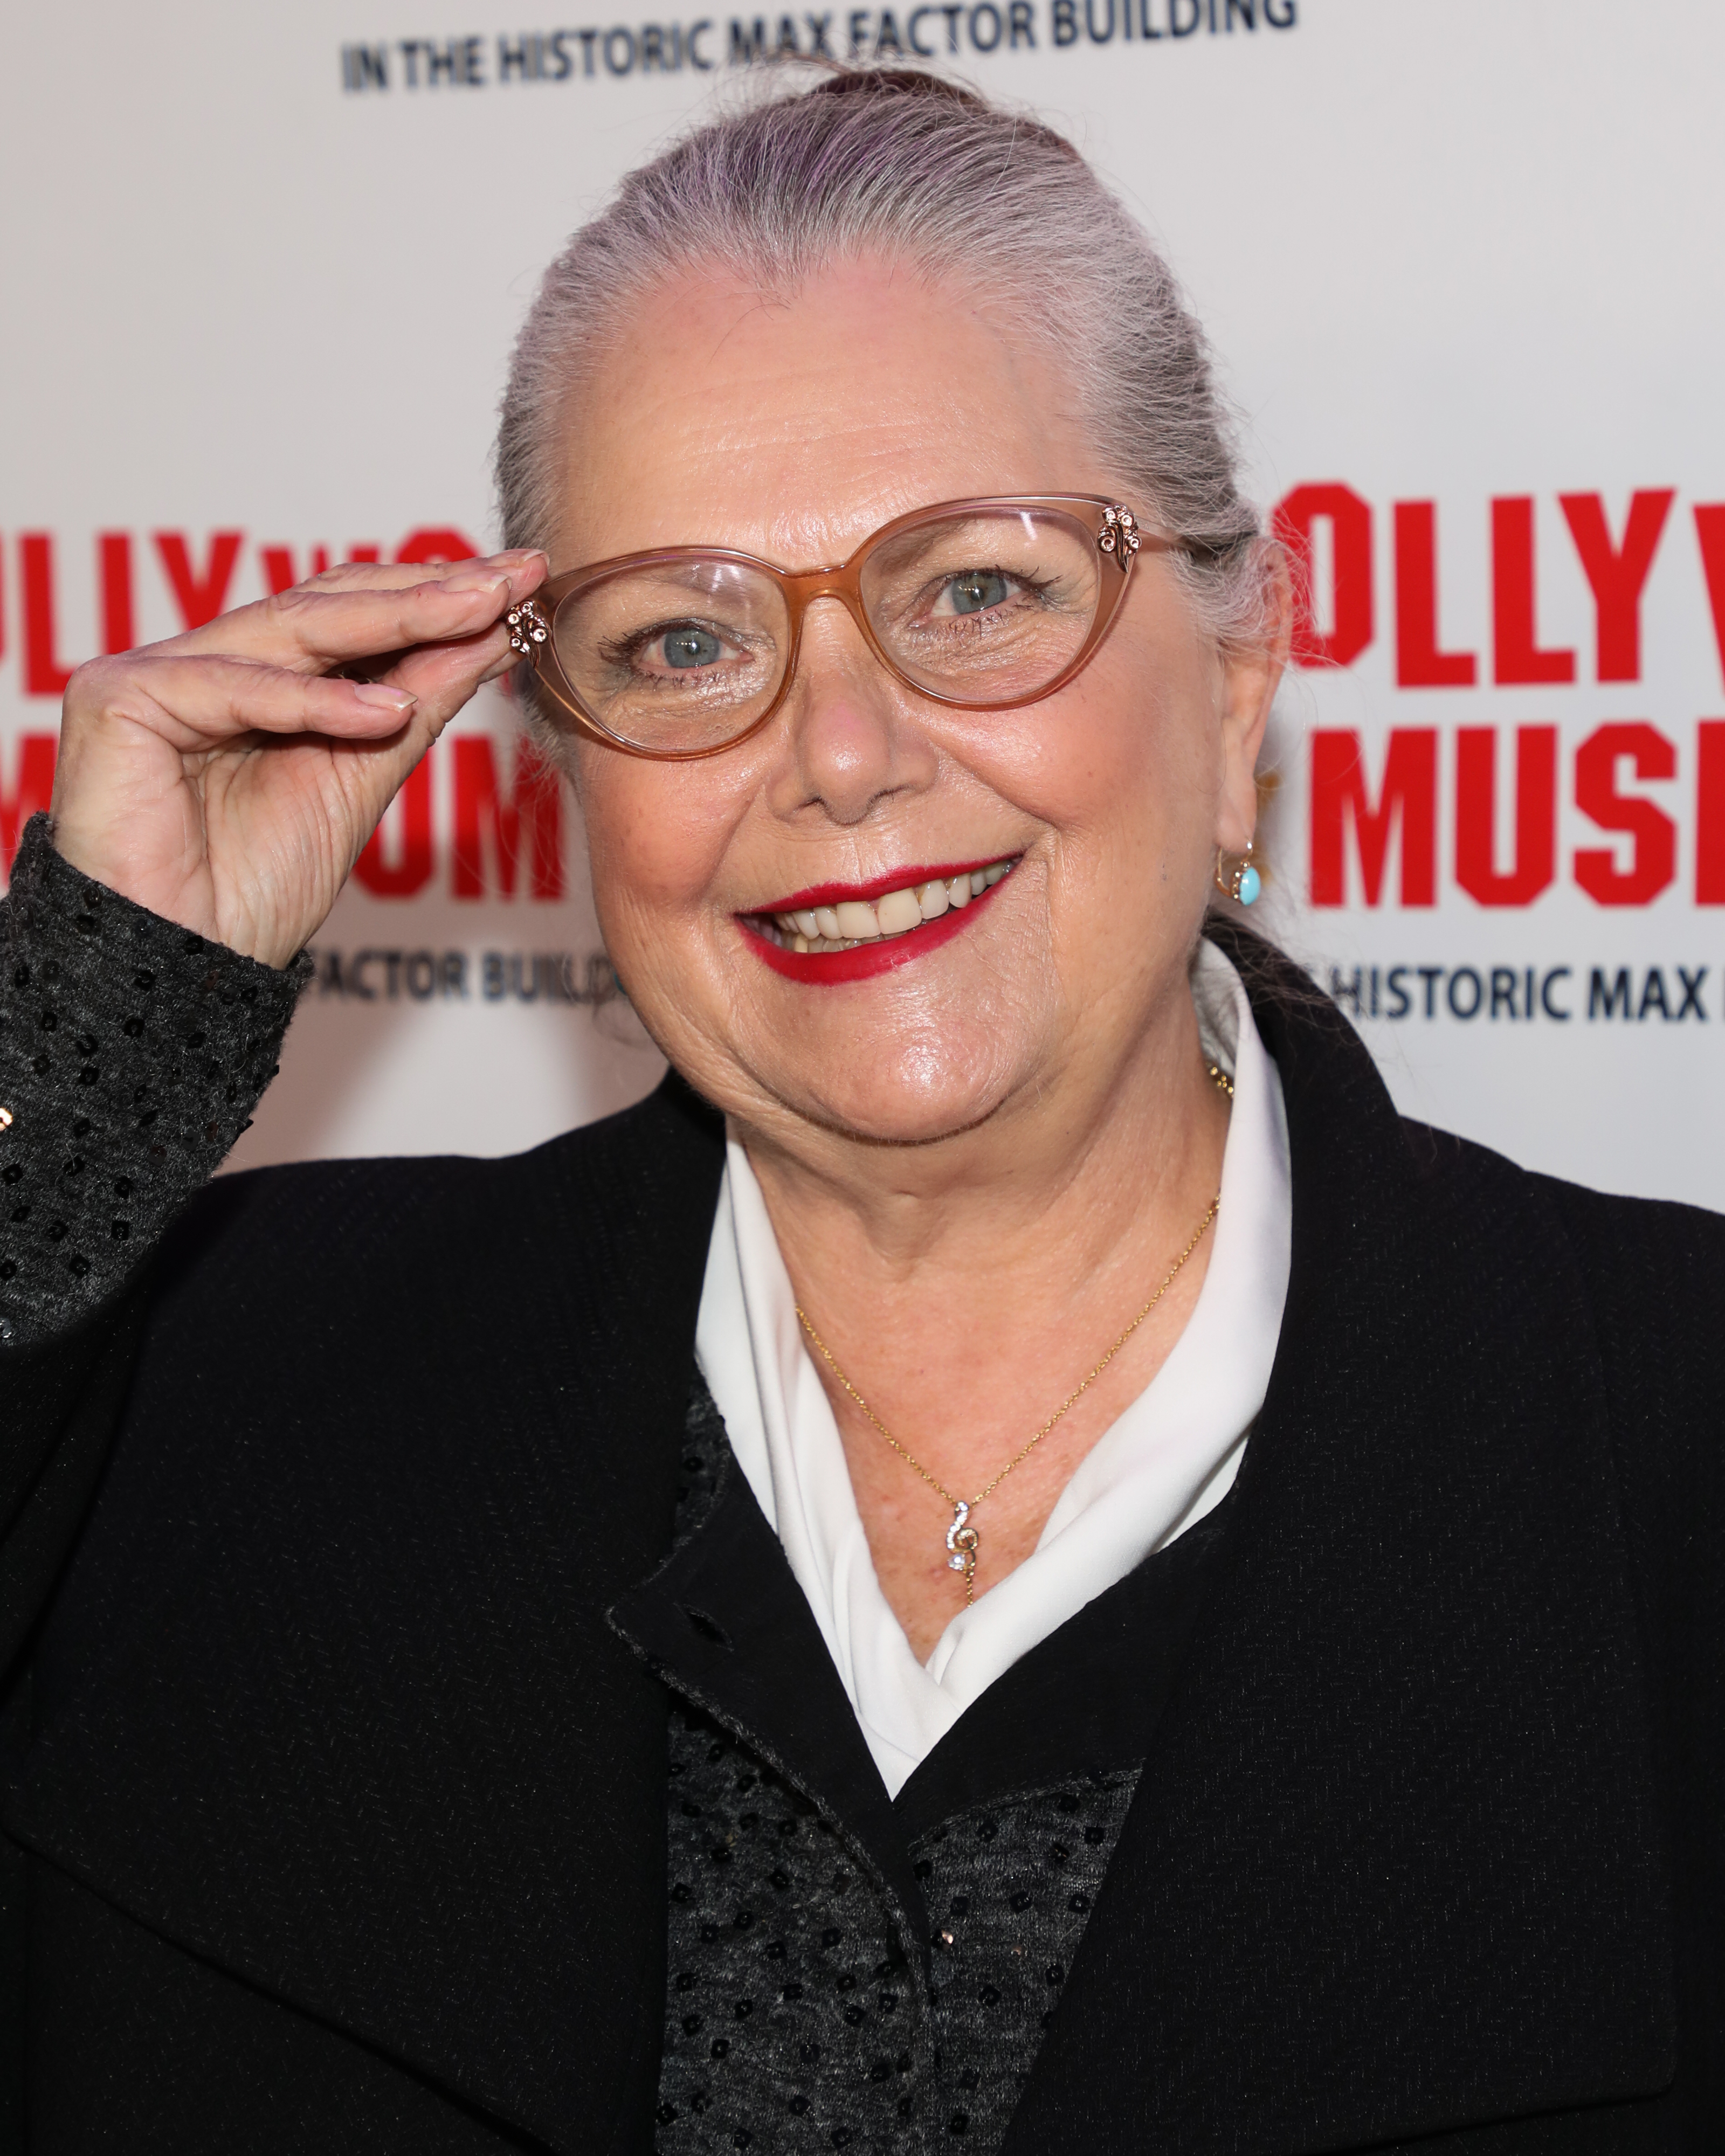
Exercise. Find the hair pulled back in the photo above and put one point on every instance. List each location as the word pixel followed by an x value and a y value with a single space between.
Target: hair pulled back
pixel 896 163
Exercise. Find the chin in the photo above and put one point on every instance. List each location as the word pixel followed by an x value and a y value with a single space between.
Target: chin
pixel 913 1099
pixel 876 1063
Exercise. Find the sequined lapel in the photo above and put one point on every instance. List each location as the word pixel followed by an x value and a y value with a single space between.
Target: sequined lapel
pixel 725 1624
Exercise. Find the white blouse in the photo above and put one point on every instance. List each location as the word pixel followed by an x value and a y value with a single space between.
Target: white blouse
pixel 1170 1458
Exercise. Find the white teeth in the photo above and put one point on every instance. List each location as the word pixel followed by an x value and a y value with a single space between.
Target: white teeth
pixel 852 921
pixel 857 921
pixel 897 911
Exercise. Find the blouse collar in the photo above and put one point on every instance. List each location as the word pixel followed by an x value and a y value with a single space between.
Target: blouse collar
pixel 1168 1459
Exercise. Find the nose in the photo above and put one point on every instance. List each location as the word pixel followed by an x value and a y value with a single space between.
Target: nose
pixel 852 741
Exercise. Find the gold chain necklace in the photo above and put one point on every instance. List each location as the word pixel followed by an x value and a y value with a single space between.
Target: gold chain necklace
pixel 964 1541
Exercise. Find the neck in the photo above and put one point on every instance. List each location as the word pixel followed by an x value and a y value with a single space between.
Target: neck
pixel 961 1284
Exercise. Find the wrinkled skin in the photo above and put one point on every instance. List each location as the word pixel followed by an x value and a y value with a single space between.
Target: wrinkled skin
pixel 979 1164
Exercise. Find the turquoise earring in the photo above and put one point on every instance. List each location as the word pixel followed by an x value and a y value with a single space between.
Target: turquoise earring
pixel 1244 884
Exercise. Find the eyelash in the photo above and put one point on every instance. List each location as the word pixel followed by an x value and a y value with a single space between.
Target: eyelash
pixel 625 653
pixel 1031 587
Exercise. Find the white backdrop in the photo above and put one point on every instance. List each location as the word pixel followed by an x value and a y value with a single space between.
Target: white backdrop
pixel 261 271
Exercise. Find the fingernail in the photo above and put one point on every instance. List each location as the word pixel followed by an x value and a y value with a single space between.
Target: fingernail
pixel 474 580
pixel 522 554
pixel 387 700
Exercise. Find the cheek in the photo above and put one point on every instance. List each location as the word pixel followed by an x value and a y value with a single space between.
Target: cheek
pixel 1124 768
pixel 654 839
pixel 1125 773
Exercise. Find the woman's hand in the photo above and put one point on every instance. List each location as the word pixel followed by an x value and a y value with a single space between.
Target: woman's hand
pixel 228 780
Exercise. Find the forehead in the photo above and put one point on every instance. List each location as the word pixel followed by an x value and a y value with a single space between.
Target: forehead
pixel 791 425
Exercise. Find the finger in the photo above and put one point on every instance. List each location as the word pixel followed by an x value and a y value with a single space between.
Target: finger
pixel 312 629
pixel 325 623
pixel 443 677
pixel 192 703
pixel 401 576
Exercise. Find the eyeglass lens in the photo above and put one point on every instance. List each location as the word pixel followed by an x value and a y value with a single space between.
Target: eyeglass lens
pixel 986 608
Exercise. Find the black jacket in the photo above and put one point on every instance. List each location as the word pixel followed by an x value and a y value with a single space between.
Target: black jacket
pixel 335 1805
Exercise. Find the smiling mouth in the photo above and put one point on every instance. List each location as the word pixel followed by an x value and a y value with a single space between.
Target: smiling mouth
pixel 827 922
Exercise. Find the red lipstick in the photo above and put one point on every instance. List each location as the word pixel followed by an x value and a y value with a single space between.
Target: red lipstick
pixel 863 962
pixel 835 894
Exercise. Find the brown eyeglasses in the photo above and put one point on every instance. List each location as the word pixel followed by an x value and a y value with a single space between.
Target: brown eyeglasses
pixel 985 604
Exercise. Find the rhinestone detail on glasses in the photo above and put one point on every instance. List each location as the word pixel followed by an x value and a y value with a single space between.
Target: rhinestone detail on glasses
pixel 528 626
pixel 1119 535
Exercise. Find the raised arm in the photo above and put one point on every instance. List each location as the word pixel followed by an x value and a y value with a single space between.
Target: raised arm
pixel 212 795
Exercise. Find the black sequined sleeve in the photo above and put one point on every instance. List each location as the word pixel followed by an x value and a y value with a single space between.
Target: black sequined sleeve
pixel 131 1055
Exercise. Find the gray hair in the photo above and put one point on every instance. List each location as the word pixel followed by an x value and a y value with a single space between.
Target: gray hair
pixel 897 163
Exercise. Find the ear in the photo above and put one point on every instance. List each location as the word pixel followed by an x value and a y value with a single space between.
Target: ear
pixel 1251 676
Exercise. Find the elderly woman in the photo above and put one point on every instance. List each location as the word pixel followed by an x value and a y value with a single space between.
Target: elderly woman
pixel 1011 1560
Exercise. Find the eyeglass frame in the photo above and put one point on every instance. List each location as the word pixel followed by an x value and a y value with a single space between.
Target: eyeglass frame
pixel 1117 532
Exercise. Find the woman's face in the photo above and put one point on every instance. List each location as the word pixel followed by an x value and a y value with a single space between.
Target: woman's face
pixel 791 429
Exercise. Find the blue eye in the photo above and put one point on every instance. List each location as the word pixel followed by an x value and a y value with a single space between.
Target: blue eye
pixel 691 647
pixel 977 590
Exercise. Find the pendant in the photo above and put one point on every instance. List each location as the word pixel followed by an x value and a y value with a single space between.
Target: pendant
pixel 961 1543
